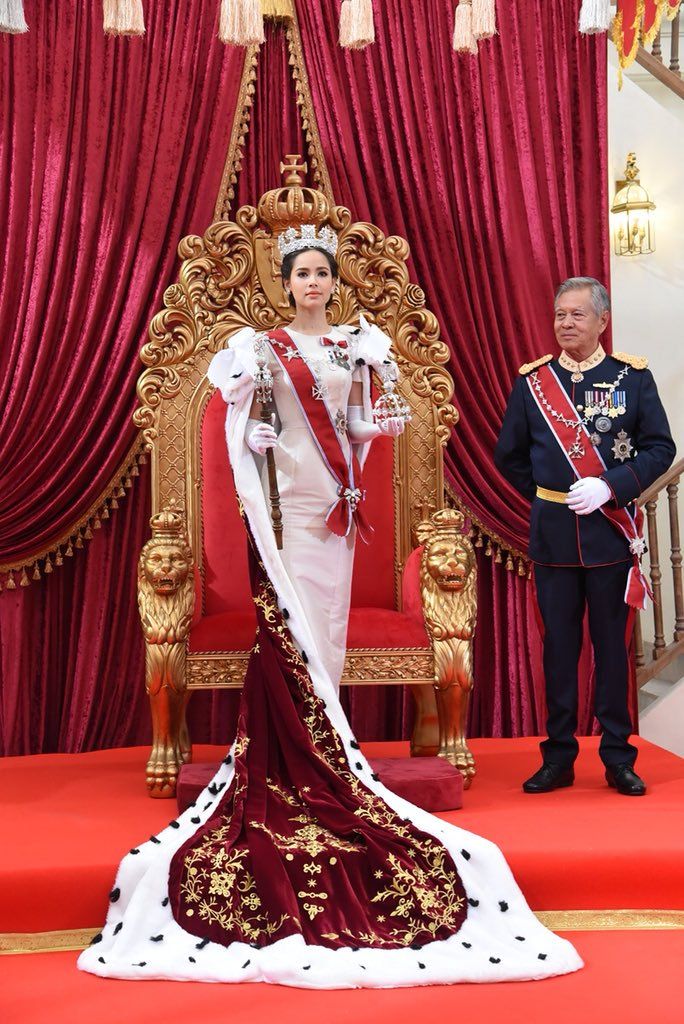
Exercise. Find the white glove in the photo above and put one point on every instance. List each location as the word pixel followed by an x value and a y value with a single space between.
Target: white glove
pixel 392 427
pixel 260 436
pixel 360 430
pixel 587 495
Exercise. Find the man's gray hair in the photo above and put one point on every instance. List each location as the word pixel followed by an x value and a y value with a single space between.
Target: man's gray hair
pixel 600 299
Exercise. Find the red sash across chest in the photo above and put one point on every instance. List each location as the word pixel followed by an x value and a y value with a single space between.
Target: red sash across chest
pixel 342 464
pixel 590 463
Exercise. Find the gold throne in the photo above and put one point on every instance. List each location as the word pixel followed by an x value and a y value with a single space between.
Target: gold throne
pixel 413 597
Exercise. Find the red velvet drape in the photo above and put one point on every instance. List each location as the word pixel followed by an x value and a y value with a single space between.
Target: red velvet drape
pixel 110 151
pixel 494 169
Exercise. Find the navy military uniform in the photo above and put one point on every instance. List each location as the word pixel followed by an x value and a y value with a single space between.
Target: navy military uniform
pixel 584 560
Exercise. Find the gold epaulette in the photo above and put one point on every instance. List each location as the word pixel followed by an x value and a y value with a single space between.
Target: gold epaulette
pixel 528 367
pixel 636 362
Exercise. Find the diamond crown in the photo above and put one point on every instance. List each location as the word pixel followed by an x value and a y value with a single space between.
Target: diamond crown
pixel 293 240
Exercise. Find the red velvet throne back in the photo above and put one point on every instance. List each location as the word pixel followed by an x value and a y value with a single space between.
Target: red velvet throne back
pixel 227 621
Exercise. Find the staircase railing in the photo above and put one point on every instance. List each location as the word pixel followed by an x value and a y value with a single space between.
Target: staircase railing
pixel 665 67
pixel 662 651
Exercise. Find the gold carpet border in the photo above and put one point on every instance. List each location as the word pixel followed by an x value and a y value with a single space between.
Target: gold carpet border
pixel 12 943
pixel 82 529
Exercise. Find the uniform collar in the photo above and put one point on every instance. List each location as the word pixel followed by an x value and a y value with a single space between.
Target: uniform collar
pixel 597 356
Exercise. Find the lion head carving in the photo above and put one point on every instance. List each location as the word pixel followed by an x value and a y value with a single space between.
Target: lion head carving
pixel 448 576
pixel 166 590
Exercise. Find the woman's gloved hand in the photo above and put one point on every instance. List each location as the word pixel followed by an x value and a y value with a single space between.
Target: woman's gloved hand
pixel 391 427
pixel 260 436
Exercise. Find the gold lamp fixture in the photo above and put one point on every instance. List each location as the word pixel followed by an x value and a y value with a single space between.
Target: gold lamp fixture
pixel 632 209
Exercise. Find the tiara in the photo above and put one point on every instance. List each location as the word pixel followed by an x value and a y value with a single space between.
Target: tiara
pixel 292 240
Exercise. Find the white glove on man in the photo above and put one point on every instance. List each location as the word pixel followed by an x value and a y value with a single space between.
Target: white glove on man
pixel 360 430
pixel 260 436
pixel 587 495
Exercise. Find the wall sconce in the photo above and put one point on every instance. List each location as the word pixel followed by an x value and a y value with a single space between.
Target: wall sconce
pixel 632 209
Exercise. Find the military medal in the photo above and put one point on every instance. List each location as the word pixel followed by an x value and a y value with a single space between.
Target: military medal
pixel 577 377
pixel 622 447
pixel 338 352
pixel 595 439
pixel 602 424
pixel 576 450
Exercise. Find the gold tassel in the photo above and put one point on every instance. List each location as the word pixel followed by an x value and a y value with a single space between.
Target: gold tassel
pixel 58 557
pixel 128 483
pixel 113 503
pixel 522 571
pixel 48 566
pixel 464 39
pixel 104 514
pixel 509 563
pixel 124 18
pixel 484 18
pixel 241 23
pixel 97 525
pixel 134 469
pixel 479 541
pixel 497 556
pixel 87 533
pixel 10 585
pixel 12 20
pixel 357 29
pixel 24 581
pixel 69 551
pixel 142 458
pixel 36 572
pixel 488 549
pixel 78 543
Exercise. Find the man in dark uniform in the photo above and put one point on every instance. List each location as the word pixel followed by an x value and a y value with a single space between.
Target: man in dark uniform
pixel 584 434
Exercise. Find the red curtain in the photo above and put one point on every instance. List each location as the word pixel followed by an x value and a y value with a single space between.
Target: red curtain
pixel 494 169
pixel 110 151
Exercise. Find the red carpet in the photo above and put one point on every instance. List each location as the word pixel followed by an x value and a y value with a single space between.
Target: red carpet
pixel 630 977
pixel 69 818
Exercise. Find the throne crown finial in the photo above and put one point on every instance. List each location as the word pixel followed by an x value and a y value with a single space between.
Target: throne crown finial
pixel 167 523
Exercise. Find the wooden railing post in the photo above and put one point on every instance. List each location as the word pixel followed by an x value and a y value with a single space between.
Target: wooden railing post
pixel 656 49
pixel 639 656
pixel 674 47
pixel 676 558
pixel 656 578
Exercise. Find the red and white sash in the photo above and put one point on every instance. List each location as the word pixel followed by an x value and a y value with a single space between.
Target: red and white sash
pixel 590 463
pixel 344 468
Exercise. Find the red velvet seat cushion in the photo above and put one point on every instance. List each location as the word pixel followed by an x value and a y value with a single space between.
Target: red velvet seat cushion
pixel 368 627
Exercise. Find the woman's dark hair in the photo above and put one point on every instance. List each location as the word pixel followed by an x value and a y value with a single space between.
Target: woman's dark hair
pixel 288 263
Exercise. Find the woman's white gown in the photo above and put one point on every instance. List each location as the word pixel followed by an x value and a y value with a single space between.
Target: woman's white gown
pixel 500 938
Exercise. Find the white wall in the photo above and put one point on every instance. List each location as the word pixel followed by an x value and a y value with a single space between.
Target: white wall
pixel 648 291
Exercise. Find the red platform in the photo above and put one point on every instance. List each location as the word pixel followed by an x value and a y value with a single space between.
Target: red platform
pixel 69 818
pixel 428 782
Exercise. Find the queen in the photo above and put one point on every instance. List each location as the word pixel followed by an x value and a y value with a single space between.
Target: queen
pixel 296 865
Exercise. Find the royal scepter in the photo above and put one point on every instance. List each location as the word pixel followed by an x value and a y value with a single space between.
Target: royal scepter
pixel 263 387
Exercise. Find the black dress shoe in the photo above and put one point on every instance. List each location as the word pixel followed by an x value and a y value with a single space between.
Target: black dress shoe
pixel 623 778
pixel 550 776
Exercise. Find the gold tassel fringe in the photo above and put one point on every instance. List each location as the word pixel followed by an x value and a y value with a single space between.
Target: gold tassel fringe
pixel 241 23
pixel 494 546
pixel 12 19
pixel 464 39
pixel 123 18
pixel 484 18
pixel 81 531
